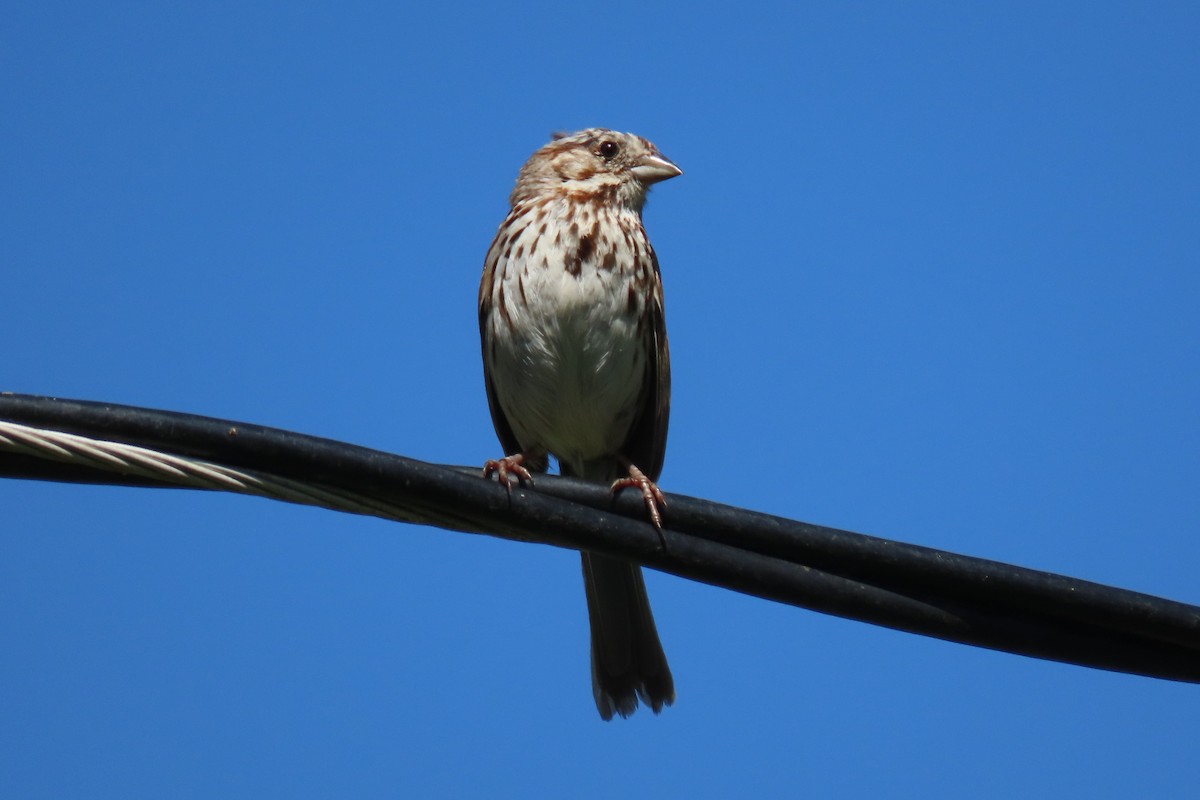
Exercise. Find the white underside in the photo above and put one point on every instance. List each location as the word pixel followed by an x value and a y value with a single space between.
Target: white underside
pixel 570 375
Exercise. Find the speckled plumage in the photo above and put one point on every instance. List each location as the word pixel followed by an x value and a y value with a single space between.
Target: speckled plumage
pixel 576 364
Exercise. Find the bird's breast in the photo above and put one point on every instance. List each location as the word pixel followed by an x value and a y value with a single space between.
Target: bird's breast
pixel 569 333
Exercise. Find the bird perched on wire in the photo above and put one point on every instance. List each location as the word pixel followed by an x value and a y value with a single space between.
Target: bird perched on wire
pixel 576 365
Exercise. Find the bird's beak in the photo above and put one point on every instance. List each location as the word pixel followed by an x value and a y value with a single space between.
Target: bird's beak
pixel 655 168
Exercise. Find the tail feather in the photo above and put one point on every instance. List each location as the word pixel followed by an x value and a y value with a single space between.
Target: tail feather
pixel 628 661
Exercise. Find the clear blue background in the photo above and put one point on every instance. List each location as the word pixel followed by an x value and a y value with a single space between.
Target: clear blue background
pixel 932 274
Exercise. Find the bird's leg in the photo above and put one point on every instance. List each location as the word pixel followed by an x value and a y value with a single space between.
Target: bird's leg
pixel 651 496
pixel 514 464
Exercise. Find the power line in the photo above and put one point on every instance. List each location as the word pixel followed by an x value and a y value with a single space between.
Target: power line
pixel 902 586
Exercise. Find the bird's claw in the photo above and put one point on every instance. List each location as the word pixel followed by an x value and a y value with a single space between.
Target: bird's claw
pixel 652 496
pixel 503 467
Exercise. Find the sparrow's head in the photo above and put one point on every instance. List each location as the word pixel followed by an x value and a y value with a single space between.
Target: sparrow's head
pixel 596 163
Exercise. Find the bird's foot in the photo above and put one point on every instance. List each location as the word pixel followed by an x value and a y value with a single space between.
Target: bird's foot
pixel 651 495
pixel 504 467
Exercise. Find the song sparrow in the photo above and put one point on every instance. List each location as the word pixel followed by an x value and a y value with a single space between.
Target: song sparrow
pixel 575 362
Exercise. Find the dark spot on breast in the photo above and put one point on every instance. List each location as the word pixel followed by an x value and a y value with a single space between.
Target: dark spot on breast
pixel 609 261
pixel 631 300
pixel 573 264
pixel 521 288
pixel 500 305
pixel 587 245
pixel 520 252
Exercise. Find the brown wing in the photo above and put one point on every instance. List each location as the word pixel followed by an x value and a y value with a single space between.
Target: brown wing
pixel 646 445
pixel 504 432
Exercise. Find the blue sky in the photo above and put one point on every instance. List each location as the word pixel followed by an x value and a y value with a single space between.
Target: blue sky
pixel 931 274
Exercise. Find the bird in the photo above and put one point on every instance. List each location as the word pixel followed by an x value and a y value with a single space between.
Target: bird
pixel 576 365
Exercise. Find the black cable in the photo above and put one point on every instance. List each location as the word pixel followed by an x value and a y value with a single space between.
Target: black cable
pixel 902 586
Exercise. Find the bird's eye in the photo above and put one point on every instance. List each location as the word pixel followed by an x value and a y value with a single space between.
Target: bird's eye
pixel 608 149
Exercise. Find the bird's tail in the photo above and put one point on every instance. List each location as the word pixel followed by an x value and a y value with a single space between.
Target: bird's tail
pixel 628 661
